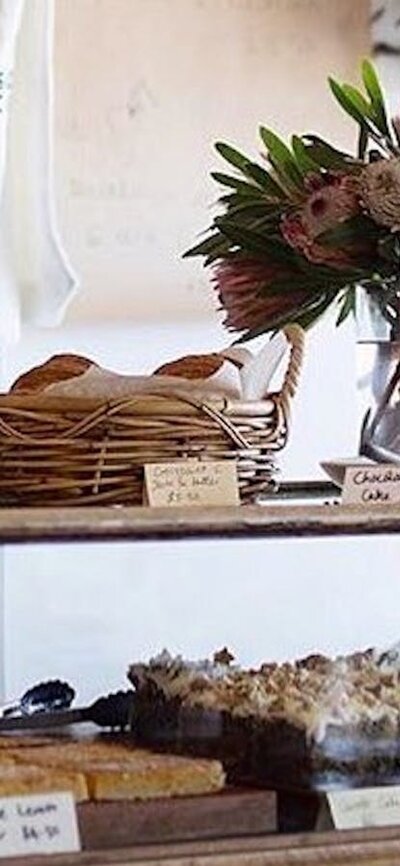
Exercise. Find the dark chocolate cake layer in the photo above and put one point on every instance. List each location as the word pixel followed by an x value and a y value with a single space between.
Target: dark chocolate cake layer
pixel 315 723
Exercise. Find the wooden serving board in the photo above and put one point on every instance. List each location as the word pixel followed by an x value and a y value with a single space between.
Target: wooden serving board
pixel 119 824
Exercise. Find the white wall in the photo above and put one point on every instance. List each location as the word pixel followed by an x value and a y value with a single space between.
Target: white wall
pixel 143 90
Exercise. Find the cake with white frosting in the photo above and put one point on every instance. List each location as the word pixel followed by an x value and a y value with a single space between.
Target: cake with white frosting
pixel 312 721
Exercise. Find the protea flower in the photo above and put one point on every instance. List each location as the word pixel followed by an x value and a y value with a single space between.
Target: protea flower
pixel 331 201
pixel 301 233
pixel 241 285
pixel 380 192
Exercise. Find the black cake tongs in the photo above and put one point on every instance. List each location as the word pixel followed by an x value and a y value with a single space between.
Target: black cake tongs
pixel 48 705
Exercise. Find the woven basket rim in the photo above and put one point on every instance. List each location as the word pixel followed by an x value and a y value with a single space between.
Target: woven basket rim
pixel 68 403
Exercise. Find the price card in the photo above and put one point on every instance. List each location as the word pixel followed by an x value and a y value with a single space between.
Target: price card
pixel 191 483
pixel 365 807
pixel 38 824
pixel 378 483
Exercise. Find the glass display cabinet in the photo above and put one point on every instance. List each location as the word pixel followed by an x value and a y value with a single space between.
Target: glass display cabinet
pixel 273 823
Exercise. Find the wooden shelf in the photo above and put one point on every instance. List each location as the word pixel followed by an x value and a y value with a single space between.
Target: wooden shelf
pixel 373 847
pixel 25 525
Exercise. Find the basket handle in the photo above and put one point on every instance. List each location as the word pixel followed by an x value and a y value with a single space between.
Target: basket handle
pixel 295 337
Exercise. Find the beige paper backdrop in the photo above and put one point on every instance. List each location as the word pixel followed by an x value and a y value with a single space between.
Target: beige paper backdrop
pixel 143 89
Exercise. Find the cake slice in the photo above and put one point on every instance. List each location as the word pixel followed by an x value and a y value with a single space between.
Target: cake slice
pixel 119 772
pixel 148 776
pixel 315 721
pixel 72 753
pixel 17 779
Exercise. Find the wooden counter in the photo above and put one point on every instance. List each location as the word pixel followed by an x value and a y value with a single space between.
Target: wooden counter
pixel 25 525
pixel 372 847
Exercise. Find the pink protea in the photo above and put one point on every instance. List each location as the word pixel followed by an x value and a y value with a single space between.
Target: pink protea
pixel 331 200
pixel 239 282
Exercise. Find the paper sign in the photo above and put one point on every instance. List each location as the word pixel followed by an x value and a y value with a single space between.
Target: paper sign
pixel 336 469
pixel 378 483
pixel 191 483
pixel 365 807
pixel 38 824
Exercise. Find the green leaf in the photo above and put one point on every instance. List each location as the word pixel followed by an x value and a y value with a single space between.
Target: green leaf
pixel 242 237
pixel 346 102
pixel 371 82
pixel 227 199
pixel 250 169
pixel 234 183
pixel 276 146
pixel 374 90
pixel 348 305
pixel 255 242
pixel 304 161
pixel 256 208
pixel 264 180
pixel 326 155
pixel 292 192
pixel 281 157
pixel 358 100
pixel 212 244
pixel 233 156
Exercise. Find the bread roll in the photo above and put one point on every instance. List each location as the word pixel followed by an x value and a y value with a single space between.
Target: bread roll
pixel 192 366
pixel 56 369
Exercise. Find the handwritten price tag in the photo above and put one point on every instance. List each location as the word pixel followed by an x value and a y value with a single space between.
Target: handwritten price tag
pixel 38 824
pixel 191 483
pixel 365 807
pixel 372 485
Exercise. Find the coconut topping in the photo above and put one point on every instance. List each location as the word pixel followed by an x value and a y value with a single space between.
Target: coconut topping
pixel 358 692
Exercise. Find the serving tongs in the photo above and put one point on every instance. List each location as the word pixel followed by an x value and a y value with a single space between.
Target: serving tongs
pixel 47 705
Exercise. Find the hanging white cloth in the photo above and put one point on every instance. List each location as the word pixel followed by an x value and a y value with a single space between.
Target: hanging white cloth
pixel 36 280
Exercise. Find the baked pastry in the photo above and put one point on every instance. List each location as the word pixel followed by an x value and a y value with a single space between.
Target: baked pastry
pixel 73 753
pixel 57 369
pixel 192 366
pixel 8 742
pixel 18 779
pixel 147 775
pixel 314 722
pixel 76 376
pixel 115 772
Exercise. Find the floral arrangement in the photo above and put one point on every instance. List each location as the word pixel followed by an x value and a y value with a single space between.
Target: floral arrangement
pixel 302 232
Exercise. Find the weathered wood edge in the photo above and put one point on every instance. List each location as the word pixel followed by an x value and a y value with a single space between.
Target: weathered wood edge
pixel 19 525
pixel 373 847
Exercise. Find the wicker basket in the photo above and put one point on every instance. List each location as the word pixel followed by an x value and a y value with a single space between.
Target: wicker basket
pixel 75 451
